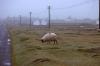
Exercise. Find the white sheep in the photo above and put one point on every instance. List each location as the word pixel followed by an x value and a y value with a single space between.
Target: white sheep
pixel 49 37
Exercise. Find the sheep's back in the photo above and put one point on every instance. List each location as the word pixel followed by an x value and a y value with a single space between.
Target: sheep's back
pixel 49 36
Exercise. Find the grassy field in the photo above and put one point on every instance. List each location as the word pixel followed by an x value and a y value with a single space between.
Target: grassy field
pixel 74 48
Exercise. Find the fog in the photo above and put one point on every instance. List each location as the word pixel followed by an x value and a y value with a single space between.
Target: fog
pixel 60 9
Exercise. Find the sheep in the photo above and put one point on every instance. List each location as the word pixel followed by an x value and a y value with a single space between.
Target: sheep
pixel 49 37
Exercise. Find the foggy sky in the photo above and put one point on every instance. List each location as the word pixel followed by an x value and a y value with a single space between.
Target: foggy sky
pixel 39 8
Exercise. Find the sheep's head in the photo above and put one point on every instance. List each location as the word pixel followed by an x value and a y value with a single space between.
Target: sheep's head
pixel 42 41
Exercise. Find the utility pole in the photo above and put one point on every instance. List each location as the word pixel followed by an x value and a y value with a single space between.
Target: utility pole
pixel 20 20
pixel 30 20
pixel 99 15
pixel 40 20
pixel 8 21
pixel 49 20
pixel 13 21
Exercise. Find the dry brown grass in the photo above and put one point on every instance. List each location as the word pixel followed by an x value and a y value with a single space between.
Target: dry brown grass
pixel 72 50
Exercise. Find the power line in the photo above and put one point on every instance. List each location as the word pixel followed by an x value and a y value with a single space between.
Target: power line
pixel 75 5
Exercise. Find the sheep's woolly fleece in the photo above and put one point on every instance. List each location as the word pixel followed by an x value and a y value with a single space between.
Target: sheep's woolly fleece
pixel 49 36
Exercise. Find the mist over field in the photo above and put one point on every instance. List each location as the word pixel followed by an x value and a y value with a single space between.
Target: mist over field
pixel 74 25
pixel 59 9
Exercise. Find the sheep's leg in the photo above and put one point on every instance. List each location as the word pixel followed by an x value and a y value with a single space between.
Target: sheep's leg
pixel 55 41
pixel 49 42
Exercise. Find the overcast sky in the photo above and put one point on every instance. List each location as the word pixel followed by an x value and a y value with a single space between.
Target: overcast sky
pixel 59 8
